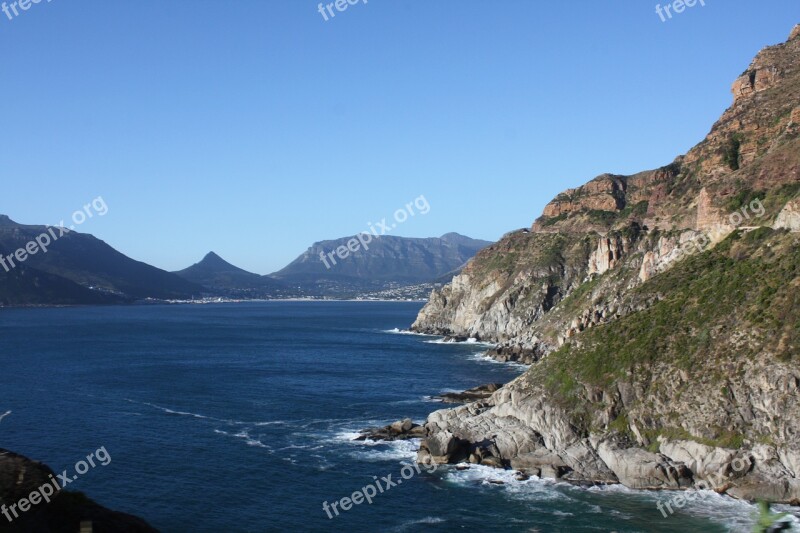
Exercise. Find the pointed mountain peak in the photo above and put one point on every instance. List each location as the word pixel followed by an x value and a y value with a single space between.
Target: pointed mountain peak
pixel 213 259
pixel 214 263
pixel 214 272
pixel 795 33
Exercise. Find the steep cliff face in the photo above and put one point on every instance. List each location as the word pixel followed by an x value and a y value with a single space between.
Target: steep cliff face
pixel 660 312
pixel 641 222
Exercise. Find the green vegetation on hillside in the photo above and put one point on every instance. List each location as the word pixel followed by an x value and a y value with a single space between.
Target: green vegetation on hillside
pixel 736 300
pixel 731 151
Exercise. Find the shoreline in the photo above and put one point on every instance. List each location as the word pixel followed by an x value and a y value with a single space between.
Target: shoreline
pixel 523 472
pixel 142 303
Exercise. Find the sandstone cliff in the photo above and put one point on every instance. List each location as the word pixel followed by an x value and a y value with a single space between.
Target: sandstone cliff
pixel 659 312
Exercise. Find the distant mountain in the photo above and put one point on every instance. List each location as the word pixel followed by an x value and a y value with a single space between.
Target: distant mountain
pixel 79 269
pixel 221 277
pixel 385 261
pixel 28 286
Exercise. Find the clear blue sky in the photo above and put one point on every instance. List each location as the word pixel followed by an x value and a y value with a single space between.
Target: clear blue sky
pixel 254 128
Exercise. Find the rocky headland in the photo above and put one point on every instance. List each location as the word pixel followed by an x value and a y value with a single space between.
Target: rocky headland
pixel 660 314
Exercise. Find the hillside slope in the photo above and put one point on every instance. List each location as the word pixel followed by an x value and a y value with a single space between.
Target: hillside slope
pixel 381 262
pixel 223 278
pixel 659 312
pixel 83 260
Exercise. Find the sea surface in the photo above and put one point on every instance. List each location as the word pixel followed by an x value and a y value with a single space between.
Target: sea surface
pixel 240 417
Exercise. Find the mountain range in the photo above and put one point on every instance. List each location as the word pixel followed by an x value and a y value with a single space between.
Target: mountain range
pixel 383 263
pixel 78 268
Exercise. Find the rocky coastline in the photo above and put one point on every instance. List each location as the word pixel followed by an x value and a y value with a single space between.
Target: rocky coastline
pixel 658 313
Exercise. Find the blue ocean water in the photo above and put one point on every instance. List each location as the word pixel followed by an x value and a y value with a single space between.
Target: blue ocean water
pixel 240 417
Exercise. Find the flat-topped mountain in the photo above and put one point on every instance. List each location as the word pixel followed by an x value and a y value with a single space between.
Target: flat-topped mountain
pixel 383 259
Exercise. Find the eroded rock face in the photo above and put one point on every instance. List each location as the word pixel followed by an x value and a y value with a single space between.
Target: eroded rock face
pixel 604 193
pixel 764 73
pixel 670 249
pixel 759 78
pixel 789 217
pixel 520 427
pixel 639 469
pixel 610 250
pixel 704 461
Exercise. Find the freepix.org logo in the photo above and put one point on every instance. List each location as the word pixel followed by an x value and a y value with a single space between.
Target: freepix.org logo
pixel 677 7
pixel 44 240
pixel 329 11
pixel 13 9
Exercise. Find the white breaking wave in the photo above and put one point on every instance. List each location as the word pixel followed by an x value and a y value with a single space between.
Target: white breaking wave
pixel 471 340
pixel 211 418
pixel 481 357
pixel 399 450
pixel 488 477
pixel 736 515
pixel 244 435
pixel 422 521
pixel 368 450
pixel 398 331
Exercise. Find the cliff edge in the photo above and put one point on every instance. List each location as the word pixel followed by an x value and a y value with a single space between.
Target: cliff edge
pixel 659 313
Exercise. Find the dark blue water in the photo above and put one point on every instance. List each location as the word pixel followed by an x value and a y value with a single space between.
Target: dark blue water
pixel 238 417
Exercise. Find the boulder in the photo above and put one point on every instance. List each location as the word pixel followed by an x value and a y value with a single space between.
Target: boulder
pixel 534 460
pixel 442 448
pixel 482 392
pixel 640 469
pixel 401 430
pixel 494 462
pixel 402 426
